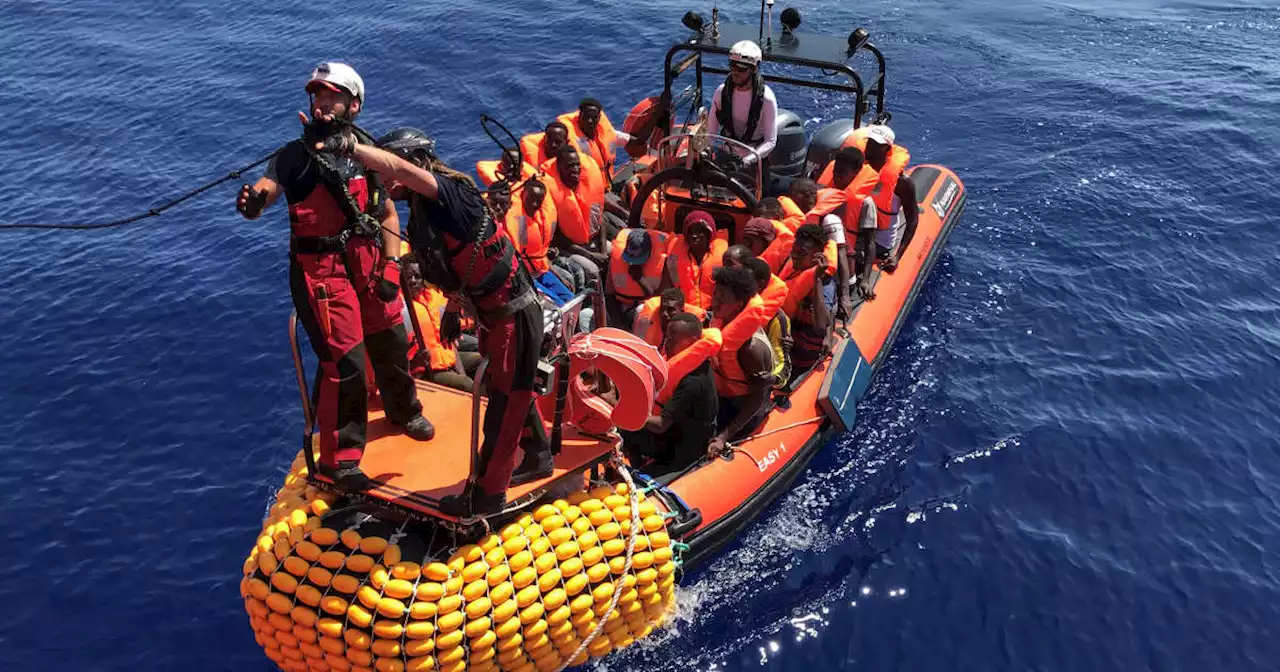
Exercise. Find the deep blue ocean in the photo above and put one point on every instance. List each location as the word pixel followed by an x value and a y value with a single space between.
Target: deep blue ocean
pixel 1068 463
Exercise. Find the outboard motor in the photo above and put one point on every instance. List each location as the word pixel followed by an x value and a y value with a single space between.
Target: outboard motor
pixel 787 161
pixel 825 143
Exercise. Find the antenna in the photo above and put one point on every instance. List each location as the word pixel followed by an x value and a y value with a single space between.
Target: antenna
pixel 769 38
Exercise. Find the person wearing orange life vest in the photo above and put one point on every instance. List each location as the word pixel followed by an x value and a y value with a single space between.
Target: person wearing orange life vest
pixel 530 226
pixel 430 357
pixel 779 327
pixel 462 249
pixel 826 208
pixel 539 148
pixel 898 214
pixel 343 275
pixel 577 191
pixel 509 168
pixel 595 135
pixel 768 239
pixel 651 318
pixel 850 175
pixel 812 297
pixel 743 375
pixel 675 439
pixel 693 258
pixel 635 272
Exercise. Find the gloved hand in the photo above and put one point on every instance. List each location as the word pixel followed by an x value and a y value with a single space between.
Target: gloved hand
pixel 386 284
pixel 251 202
pixel 328 134
pixel 341 143
pixel 734 163
pixel 450 326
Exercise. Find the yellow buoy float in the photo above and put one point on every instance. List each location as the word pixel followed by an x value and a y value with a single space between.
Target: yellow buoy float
pixel 331 590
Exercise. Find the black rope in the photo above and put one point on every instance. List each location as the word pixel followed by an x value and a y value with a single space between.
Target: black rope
pixel 153 212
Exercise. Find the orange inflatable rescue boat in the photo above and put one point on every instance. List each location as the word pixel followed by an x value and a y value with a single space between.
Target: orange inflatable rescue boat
pixel 584 562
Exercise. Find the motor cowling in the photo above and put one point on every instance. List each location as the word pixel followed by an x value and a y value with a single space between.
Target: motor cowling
pixel 825 143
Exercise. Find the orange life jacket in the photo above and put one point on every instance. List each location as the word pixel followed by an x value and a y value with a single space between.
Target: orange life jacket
pixel 780 249
pixel 883 192
pixel 625 287
pixel 532 233
pixel 800 284
pixel 792 215
pixel 731 380
pixel 533 147
pixel 602 148
pixel 775 295
pixel 647 326
pixel 427 308
pixel 579 211
pixel 695 278
pixel 689 359
pixel 488 171
pixel 882 187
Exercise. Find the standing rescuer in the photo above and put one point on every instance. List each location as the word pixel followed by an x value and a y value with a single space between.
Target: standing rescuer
pixel 463 250
pixel 344 276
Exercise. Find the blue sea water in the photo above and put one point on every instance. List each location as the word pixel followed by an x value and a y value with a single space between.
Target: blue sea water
pixel 1068 463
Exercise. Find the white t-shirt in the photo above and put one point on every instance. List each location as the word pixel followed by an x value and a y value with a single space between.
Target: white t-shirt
pixel 766 134
pixel 888 238
pixel 835 228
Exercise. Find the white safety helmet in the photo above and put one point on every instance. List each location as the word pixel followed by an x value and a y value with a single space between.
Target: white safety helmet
pixel 338 77
pixel 747 52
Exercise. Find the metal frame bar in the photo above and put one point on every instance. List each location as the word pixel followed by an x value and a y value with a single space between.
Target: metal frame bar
pixel 862 92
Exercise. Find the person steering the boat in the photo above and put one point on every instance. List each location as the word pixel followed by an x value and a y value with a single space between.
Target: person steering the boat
pixel 344 274
pixel 743 375
pixel 461 249
pixel 744 108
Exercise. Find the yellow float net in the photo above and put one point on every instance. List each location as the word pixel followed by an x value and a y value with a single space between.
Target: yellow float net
pixel 559 586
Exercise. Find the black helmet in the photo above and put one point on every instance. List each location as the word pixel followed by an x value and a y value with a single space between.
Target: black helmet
pixel 407 141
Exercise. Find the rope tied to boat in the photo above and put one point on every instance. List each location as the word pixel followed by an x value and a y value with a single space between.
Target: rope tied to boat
pixel 634 496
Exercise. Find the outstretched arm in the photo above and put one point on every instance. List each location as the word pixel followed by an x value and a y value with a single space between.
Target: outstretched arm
pixel 390 166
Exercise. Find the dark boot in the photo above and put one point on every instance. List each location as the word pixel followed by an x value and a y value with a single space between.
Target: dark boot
pixel 480 504
pixel 536 465
pixel 348 476
pixel 419 428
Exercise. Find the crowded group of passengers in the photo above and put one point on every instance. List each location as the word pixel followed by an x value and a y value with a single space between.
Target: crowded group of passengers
pixel 543 223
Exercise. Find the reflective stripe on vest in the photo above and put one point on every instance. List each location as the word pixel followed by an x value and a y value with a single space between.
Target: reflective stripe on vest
pixel 602 148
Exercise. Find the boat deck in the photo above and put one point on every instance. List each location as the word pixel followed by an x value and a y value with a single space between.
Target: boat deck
pixel 414 475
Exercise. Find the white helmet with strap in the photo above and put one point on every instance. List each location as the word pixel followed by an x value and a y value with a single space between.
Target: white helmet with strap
pixel 338 77
pixel 746 52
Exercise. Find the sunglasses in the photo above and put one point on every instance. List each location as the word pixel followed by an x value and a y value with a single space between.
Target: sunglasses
pixel 740 67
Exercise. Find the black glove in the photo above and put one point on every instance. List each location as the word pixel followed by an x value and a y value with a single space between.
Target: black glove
pixel 734 163
pixel 386 284
pixel 251 202
pixel 450 326
pixel 336 136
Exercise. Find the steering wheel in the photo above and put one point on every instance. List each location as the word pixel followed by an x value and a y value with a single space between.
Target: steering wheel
pixel 704 172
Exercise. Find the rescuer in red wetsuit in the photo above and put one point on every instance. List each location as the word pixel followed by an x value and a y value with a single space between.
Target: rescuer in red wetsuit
pixel 344 277
pixel 463 250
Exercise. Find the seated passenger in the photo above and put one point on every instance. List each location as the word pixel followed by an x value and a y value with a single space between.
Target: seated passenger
pixel 539 148
pixel 768 239
pixel 744 375
pixel 429 357
pixel 531 225
pixel 744 108
pixel 636 261
pixel 812 297
pixel 577 192
pixel 676 439
pixel 898 214
pixel 779 328
pixel 693 258
pixel 826 207
pixel 504 168
pixel 595 135
pixel 653 315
